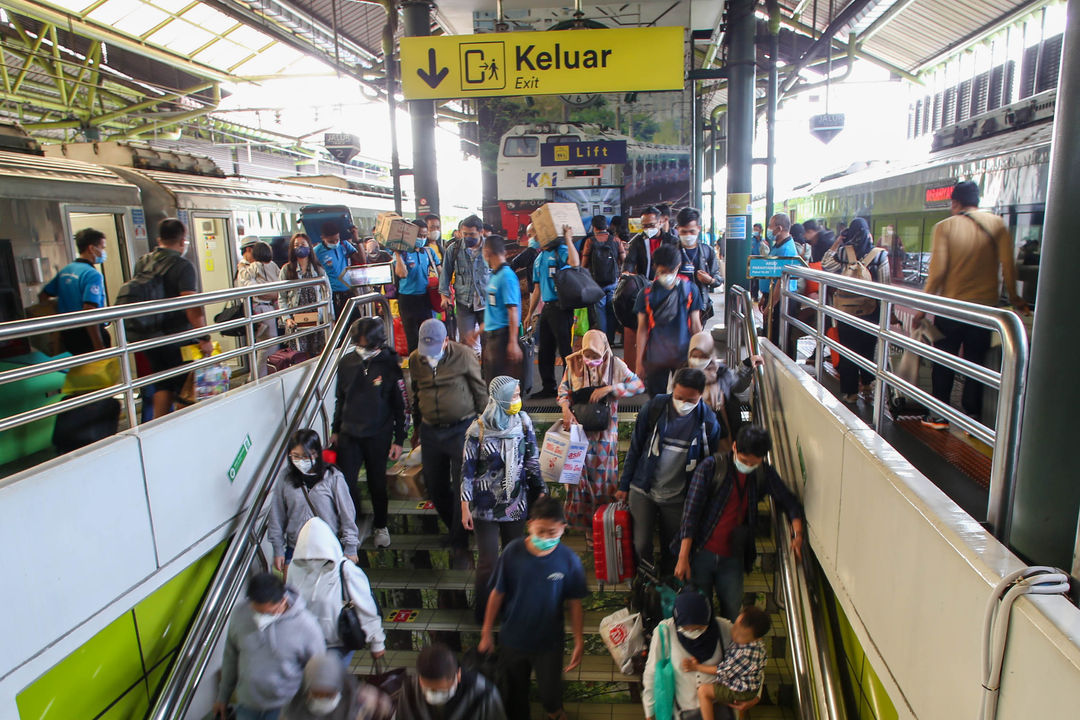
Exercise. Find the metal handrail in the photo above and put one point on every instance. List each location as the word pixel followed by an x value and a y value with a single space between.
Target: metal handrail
pixel 815 687
pixel 117 314
pixel 210 620
pixel 1010 382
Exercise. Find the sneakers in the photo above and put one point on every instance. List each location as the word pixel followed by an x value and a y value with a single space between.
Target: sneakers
pixel 382 538
pixel 935 422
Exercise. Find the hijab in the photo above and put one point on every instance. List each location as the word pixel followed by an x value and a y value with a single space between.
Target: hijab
pixel 703 342
pixel 857 236
pixel 580 374
pixel 495 425
pixel 692 608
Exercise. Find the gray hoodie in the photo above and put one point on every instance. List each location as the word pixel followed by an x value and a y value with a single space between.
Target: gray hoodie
pixel 265 667
pixel 358 702
pixel 314 574
pixel 289 510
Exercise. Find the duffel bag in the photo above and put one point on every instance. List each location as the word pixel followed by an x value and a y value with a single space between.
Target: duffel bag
pixel 576 288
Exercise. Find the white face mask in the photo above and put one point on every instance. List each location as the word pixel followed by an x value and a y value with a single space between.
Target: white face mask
pixel 688 240
pixel 667 280
pixel 683 407
pixel 692 634
pixel 439 697
pixel 323 706
pixel 303 465
pixel 433 361
pixel 698 363
pixel 744 468
pixel 651 232
pixel 435 236
pixel 366 353
pixel 265 620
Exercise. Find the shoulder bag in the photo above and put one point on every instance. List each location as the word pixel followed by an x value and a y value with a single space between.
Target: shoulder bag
pixel 350 631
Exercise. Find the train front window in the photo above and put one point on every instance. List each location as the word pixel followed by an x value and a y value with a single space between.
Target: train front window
pixel 523 146
pixel 559 139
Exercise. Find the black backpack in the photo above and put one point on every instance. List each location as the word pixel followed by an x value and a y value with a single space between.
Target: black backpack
pixel 576 288
pixel 625 298
pixel 147 284
pixel 604 262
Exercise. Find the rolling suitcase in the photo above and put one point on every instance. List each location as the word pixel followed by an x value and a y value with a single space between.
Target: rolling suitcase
pixel 613 544
pixel 283 359
pixel 528 364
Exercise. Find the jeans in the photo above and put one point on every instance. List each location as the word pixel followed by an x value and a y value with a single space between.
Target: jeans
pixel 246 713
pixel 711 572
pixel 553 334
pixel 519 666
pixel 369 453
pixel 488 535
pixel 971 343
pixel 467 321
pixel 414 310
pixel 605 313
pixel 644 511
pixel 862 343
pixel 441 451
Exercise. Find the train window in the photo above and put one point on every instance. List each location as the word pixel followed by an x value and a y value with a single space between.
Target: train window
pixel 522 146
pixel 551 139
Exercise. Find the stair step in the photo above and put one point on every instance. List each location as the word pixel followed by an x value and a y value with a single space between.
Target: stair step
pixel 593 668
pixel 414 543
pixel 432 620
pixel 633 711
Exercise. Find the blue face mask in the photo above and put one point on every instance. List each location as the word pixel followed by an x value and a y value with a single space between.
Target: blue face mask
pixel 543 544
pixel 302 251
pixel 104 257
pixel 769 236
pixel 534 243
pixel 421 242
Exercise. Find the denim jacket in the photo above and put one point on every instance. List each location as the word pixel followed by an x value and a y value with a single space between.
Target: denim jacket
pixel 470 275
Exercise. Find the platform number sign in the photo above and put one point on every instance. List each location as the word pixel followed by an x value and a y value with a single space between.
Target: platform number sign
pixel 241 455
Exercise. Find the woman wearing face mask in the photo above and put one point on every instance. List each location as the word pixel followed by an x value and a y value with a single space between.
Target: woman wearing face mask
pixel 606 378
pixel 370 416
pixel 329 692
pixel 302 265
pixel 721 382
pixel 259 271
pixel 501 466
pixel 692 632
pixel 309 487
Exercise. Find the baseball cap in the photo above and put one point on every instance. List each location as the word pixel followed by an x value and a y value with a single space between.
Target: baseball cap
pixel 431 337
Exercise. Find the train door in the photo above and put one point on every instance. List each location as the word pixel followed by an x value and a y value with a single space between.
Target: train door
pixel 215 259
pixel 117 265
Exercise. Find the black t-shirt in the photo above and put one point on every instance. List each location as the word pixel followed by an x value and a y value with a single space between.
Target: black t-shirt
pixel 180 277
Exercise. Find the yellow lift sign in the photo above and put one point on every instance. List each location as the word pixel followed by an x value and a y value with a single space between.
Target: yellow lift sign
pixel 542 63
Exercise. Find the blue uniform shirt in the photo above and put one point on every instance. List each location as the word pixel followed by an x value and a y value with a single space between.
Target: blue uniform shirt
pixel 503 291
pixel 786 249
pixel 75 284
pixel 547 263
pixel 417 263
pixel 334 260
pixel 536 589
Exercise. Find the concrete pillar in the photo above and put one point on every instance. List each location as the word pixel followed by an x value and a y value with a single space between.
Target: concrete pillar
pixel 741 29
pixel 417 15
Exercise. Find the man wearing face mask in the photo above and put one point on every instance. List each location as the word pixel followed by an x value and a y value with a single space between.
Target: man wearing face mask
pixel 535 578
pixel 270 640
pixel 81 286
pixel 468 272
pixel 412 270
pixel 447 393
pixel 330 693
pixel 716 537
pixel 441 689
pixel 783 245
pixel 672 434
pixel 335 254
pixel 669 312
pixel 639 254
pixel 554 321
pixel 434 234
pixel 698 260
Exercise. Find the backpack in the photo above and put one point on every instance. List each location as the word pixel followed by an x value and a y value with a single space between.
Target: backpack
pixel 857 269
pixel 576 288
pixel 147 284
pixel 625 298
pixel 664 355
pixel 604 262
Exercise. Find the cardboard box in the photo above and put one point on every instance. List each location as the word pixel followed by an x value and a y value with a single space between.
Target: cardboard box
pixel 395 232
pixel 549 218
pixel 406 482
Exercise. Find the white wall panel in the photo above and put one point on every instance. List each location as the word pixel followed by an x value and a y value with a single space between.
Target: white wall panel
pixel 76 535
pixel 187 459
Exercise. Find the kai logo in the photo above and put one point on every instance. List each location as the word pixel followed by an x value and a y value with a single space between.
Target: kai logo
pixel 541 179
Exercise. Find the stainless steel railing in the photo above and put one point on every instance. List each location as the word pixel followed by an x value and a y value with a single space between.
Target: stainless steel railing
pixel 1009 382
pixel 816 689
pixel 125 348
pixel 213 614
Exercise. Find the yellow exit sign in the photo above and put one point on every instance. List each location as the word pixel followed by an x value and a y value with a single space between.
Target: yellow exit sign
pixel 559 62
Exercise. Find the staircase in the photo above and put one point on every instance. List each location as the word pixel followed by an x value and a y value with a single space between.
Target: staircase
pixel 424 600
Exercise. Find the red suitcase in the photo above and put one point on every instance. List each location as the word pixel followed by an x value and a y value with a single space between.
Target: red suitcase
pixel 613 544
pixel 283 359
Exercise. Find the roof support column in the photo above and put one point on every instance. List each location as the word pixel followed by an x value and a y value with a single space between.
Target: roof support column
pixel 1046 497
pixel 741 61
pixel 417 14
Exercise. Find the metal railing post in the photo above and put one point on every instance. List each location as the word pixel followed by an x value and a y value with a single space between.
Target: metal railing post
pixel 882 345
pixel 126 375
pixel 249 333
pixel 819 358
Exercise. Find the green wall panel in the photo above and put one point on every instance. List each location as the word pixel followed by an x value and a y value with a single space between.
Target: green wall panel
pixel 132 706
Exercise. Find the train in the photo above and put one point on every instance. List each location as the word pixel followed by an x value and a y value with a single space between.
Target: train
pixel 650 173
pixel 124 190
pixel 1007 152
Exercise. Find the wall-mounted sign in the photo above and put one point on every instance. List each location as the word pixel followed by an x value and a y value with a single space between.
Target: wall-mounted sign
pixel 938 195
pixel 769 267
pixel 601 152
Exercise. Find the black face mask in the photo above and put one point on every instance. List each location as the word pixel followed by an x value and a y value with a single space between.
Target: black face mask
pixel 471 242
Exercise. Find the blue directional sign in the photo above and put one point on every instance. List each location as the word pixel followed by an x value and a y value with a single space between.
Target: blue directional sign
pixel 769 267
pixel 600 152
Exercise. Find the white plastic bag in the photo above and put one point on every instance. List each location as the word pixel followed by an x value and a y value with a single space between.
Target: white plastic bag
pixel 562 459
pixel 624 637
pixel 908 367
